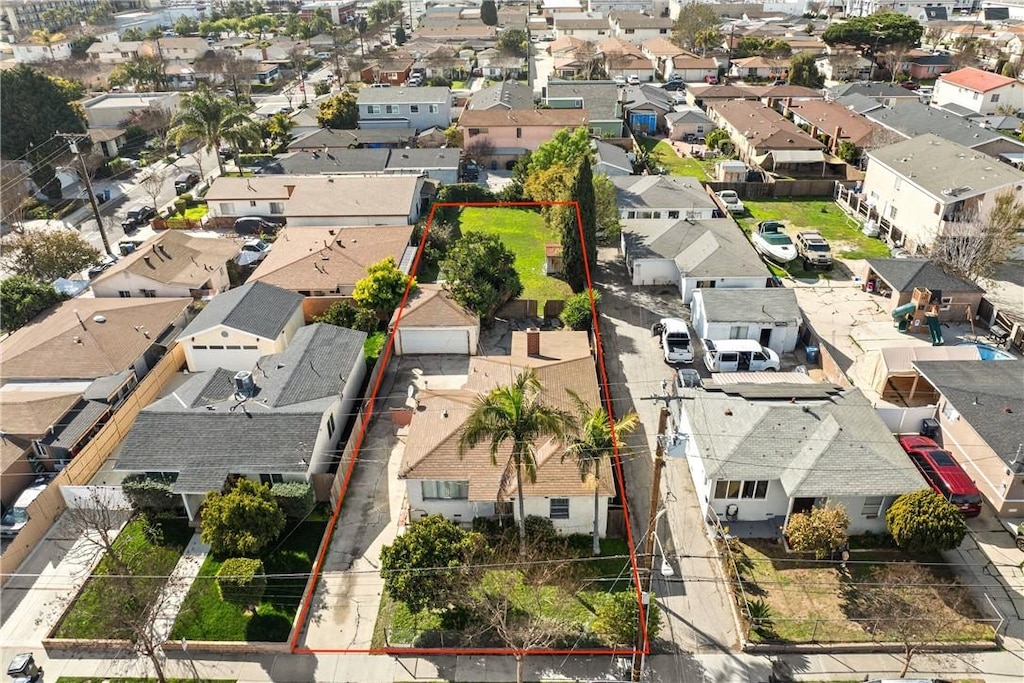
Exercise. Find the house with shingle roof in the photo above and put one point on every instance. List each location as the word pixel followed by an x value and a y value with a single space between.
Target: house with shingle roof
pixel 327 139
pixel 760 452
pixel 645 107
pixel 280 420
pixel 759 68
pixel 507 135
pixel 951 295
pixel 239 326
pixel 462 487
pixel 654 197
pixel 835 124
pixel 599 98
pixel 502 95
pixel 403 107
pixel 431 322
pixel 764 137
pixel 983 92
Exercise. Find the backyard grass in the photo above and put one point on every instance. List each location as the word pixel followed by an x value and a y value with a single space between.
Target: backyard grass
pixel 807 598
pixel 525 233
pixel 204 616
pixel 100 610
pixel 662 152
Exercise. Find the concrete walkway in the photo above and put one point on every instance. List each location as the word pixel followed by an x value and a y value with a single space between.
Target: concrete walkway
pixel 172 595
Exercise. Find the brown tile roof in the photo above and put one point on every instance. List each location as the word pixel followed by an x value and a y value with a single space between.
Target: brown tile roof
pixel 431 306
pixel 660 46
pixel 10 453
pixel 565 44
pixel 30 413
pixel 524 117
pixel 618 46
pixel 765 128
pixel 262 187
pixel 174 257
pixel 976 79
pixel 329 259
pixel 828 115
pixel 57 346
pixel 432 452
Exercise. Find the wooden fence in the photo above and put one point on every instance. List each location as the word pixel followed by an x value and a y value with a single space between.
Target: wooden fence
pixel 812 187
pixel 48 506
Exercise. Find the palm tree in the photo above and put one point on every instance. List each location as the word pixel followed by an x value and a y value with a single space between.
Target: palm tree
pixel 515 415
pixel 593 443
pixel 707 39
pixel 212 119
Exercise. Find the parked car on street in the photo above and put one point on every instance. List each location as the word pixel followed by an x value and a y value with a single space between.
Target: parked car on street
pixel 101 267
pixel 185 182
pixel 814 250
pixel 137 217
pixel 674 86
pixel 732 201
pixel 633 80
pixel 943 473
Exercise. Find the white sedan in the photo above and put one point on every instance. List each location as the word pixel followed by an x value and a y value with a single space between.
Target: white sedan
pixel 732 201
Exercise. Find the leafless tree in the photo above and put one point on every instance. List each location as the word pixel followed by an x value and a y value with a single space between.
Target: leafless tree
pixel 972 247
pixel 479 148
pixel 15 188
pixel 153 183
pixel 894 56
pixel 935 34
pixel 842 61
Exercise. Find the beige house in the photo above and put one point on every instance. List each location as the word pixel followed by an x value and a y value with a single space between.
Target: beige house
pixel 763 137
pixel 979 414
pixel 433 323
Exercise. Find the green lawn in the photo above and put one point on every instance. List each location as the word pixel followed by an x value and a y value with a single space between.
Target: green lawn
pixel 525 233
pixel 100 609
pixel 193 213
pixel 204 616
pixel 662 152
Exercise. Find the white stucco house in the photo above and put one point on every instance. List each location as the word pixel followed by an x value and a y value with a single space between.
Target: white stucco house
pixel 29 52
pixel 756 461
pixel 279 421
pixel 236 328
pixel 982 92
pixel 662 197
pixel 432 323
pixel 440 481
pixel 770 316
pixel 692 255
pixel 110 110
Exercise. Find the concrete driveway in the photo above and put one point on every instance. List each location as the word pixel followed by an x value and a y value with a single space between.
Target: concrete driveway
pixel 696 604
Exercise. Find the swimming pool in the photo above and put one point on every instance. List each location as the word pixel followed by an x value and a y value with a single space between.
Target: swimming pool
pixel 989 352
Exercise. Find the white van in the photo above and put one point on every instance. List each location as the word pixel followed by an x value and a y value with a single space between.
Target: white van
pixel 739 355
pixel 17 517
pixel 675 340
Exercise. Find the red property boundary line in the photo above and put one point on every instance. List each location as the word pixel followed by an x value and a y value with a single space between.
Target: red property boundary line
pixel 371 402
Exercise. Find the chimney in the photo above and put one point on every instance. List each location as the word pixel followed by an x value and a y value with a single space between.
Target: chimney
pixel 244 384
pixel 533 341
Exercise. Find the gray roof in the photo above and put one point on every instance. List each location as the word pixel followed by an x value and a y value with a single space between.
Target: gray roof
pixel 688 115
pixel 422 95
pixel 102 388
pixel 989 395
pixel 875 89
pixel 996 121
pixel 903 274
pixel 646 96
pixel 706 248
pixel 417 158
pixel 758 306
pixel 661 192
pixel 505 94
pixel 600 98
pixel 334 161
pixel 611 155
pixel 257 308
pixel 861 104
pixel 914 118
pixel 315 366
pixel 334 139
pixel 958 110
pixel 75 424
pixel 835 447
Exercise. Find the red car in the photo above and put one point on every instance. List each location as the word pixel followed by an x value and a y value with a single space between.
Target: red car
pixel 943 473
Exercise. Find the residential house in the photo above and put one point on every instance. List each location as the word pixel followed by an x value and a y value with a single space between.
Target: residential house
pixel 280 420
pixel 108 141
pixel 55 48
pixel 979 419
pixel 394 70
pixel 610 160
pixel 110 110
pixel 845 65
pixel 982 92
pixel 329 261
pixel 431 322
pixel 770 317
pixel 183 49
pixel 329 140
pixel 686 120
pixel 759 68
pixel 690 68
pixel 265 73
pixel 506 135
pixel 704 96
pixel 656 197
pixel 691 254
pixel 26 417
pixel 117 52
pixel 645 107
pixel 323 200
pixel 497 64
pixel 888 94
pixel 502 95
pixel 624 59
pixel 180 76
pixel 763 137
pixel 584 26
pixel 474 34
pixel 238 327
pixel 923 65
pixel 637 27
pixel 441 164
pixel 441 479
pixel 927 186
pixel 173 264
pixel 415 108
pixel 762 452
pixel 834 124
pixel 951 297
pixel 607 6
pixel 660 50
pixel 600 99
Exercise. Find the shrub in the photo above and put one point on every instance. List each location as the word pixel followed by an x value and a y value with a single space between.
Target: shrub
pixel 618 616
pixel 924 521
pixel 577 314
pixel 374 346
pixel 820 531
pixel 762 620
pixel 243 521
pixel 295 498
pixel 151 495
pixel 242 581
pixel 540 530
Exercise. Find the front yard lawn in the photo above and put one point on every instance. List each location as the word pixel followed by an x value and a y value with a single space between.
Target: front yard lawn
pixel 100 610
pixel 807 598
pixel 821 214
pixel 204 616
pixel 525 233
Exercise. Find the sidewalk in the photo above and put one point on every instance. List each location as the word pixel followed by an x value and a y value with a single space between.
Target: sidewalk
pixel 173 594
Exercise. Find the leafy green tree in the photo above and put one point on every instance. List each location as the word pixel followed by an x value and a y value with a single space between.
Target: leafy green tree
pixel 694 17
pixel 243 521
pixel 185 25
pixel 46 255
pixel 820 531
pixel 422 566
pixel 280 129
pixel 70 89
pixel 924 521
pixel 344 314
pixel 606 208
pixel 514 418
pixel 32 107
pixel 715 138
pixel 618 617
pixel 339 112
pixel 577 314
pixel 513 41
pixel 102 13
pixel 594 442
pixel 143 73
pixel 22 299
pixel 211 119
pixel 400 36
pixel 565 147
pixel 132 34
pixel 383 287
pixel 242 581
pixel 480 273
pixel 579 250
pixel 489 13
pixel 875 31
pixel 847 151
pixel 802 71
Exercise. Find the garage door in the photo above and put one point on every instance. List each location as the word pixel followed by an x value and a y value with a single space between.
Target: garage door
pixel 415 341
pixel 230 358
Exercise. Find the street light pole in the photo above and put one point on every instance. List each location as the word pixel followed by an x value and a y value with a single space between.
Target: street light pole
pixel 73 142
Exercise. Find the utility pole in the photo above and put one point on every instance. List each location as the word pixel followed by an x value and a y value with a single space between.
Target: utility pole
pixel 652 522
pixel 73 142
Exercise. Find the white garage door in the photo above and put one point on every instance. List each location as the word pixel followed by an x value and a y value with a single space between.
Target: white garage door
pixel 415 341
pixel 233 358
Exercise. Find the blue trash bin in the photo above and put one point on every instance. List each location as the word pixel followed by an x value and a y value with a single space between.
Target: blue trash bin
pixel 106 195
pixel 811 353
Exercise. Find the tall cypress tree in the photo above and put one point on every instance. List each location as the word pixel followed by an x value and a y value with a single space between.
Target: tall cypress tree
pixel 582 191
pixel 489 13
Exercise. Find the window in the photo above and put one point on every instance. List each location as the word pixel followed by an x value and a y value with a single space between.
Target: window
pixel 995 98
pixel 731 489
pixel 227 209
pixel 630 31
pixel 673 214
pixel 271 479
pixel 892 213
pixel 727 489
pixel 444 490
pixel 414 109
pixel 519 132
pixel 559 508
pixel 705 284
pixel 277 208
pixel 198 347
pixel 330 425
pixel 700 128
pixel 754 489
pixel 215 347
pixel 252 203
pixel 148 293
pixel 249 348
pixel 373 109
pixel 738 332
pixel 435 108
pixel 124 294
pixel 872 507
pixel 631 214
pixel 390 108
